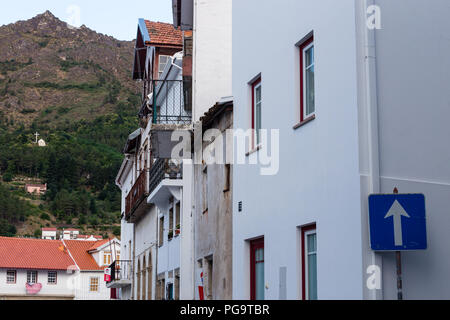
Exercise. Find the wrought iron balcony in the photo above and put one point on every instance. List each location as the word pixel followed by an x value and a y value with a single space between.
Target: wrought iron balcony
pixel 164 169
pixel 170 102
pixel 137 196
pixel 121 274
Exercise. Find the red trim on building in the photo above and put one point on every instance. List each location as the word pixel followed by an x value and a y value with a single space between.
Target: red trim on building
pixel 302 93
pixel 254 84
pixel 304 230
pixel 254 245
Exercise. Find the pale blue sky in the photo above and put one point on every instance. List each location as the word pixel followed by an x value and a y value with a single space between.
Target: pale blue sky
pixel 115 18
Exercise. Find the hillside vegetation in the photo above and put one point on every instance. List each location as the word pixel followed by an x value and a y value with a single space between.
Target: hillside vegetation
pixel 74 87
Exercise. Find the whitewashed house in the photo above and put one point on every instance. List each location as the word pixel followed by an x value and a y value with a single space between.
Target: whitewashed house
pixel 70 234
pixel 49 233
pixel 361 103
pixel 39 269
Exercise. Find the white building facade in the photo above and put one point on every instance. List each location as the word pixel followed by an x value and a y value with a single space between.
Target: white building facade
pixel 156 196
pixel 347 99
pixel 38 269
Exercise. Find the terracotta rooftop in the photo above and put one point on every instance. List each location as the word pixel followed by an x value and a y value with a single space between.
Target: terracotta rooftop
pixel 20 253
pixel 98 244
pixel 164 34
pixel 79 251
pixel 49 229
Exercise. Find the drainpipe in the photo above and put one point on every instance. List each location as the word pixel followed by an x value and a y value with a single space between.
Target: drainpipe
pixel 371 104
pixel 133 286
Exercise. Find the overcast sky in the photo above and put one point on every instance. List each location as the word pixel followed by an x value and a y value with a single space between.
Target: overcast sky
pixel 115 18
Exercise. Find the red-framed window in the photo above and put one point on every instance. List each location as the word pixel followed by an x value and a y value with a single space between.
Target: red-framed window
pixel 309 262
pixel 11 276
pixel 256 87
pixel 52 277
pixel 307 80
pixel 257 269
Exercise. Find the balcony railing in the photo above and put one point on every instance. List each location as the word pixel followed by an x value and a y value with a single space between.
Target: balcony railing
pixel 164 169
pixel 170 102
pixel 137 194
pixel 121 270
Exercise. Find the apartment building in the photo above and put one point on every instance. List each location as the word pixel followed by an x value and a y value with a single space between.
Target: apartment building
pixel 156 188
pixel 360 103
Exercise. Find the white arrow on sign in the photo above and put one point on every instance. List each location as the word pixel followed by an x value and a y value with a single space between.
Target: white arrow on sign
pixel 396 211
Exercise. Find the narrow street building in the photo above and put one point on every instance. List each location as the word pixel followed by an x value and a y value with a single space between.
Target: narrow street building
pixel 156 187
pixel 361 105
pixel 209 23
pixel 213 207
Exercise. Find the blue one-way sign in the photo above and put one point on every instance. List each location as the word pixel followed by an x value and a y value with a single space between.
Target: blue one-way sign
pixel 397 222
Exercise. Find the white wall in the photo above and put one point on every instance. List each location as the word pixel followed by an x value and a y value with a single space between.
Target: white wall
pixel 212 54
pixel 318 180
pixel 413 71
pixel 74 285
pixel 61 288
pixel 82 283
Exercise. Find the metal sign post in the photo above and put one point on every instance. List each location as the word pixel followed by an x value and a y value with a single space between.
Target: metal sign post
pixel 398 259
pixel 397 223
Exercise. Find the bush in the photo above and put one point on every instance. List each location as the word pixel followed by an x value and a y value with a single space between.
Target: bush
pixel 7 177
pixel 43 44
pixel 37 233
pixel 116 231
pixel 45 216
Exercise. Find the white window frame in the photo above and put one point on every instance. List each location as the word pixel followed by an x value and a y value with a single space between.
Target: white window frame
pixel 29 276
pixel 160 72
pixel 307 253
pixel 108 257
pixel 305 68
pixel 91 284
pixel 8 272
pixel 50 277
pixel 256 133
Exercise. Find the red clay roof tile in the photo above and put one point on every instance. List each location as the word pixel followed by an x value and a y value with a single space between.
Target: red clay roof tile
pixel 164 34
pixel 79 251
pixel 21 253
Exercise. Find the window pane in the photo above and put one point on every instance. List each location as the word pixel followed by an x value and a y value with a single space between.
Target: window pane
pixel 258 94
pixel 259 280
pixel 258 122
pixel 309 57
pixel 309 94
pixel 52 277
pixel 31 277
pixel 311 243
pixel 259 255
pixel 312 277
pixel 11 276
pixel 311 240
